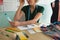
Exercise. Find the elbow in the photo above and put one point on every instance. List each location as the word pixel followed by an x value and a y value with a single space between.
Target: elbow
pixel 34 21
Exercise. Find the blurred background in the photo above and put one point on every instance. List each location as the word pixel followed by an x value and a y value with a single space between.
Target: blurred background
pixel 10 7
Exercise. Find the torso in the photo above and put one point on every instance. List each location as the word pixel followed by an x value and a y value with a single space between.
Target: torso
pixel 31 14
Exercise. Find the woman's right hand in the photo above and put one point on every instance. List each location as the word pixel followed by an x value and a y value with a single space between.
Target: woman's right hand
pixel 21 3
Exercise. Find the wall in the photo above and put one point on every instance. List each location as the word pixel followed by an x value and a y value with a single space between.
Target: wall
pixel 9 7
pixel 3 21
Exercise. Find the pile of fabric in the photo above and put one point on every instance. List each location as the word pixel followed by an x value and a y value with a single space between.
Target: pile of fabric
pixel 52 30
pixel 12 34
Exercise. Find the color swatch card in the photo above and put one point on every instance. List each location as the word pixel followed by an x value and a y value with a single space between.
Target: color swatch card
pixel 22 27
pixel 31 31
pixel 26 27
pixel 37 29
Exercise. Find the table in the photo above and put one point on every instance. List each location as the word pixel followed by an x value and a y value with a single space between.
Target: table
pixel 36 36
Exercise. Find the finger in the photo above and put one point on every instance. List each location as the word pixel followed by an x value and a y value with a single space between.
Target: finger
pixel 21 1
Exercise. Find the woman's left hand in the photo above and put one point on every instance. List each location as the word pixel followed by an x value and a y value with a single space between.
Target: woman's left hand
pixel 15 23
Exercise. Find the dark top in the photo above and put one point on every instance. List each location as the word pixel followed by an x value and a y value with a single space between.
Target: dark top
pixel 28 14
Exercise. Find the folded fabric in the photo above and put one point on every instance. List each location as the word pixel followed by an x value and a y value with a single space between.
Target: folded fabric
pixel 51 30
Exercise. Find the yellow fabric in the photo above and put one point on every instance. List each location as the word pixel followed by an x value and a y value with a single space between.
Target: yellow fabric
pixel 22 36
pixel 13 29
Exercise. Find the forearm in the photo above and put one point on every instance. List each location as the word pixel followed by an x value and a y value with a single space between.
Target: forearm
pixel 27 22
pixel 33 21
pixel 18 14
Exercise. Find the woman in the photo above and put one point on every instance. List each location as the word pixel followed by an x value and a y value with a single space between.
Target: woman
pixel 55 7
pixel 32 13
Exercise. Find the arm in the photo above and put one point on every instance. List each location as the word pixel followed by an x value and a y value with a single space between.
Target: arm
pixel 18 14
pixel 33 21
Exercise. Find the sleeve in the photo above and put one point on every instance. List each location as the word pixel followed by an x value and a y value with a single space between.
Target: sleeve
pixel 24 9
pixel 40 9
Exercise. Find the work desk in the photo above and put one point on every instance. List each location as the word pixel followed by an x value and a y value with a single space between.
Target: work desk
pixel 36 36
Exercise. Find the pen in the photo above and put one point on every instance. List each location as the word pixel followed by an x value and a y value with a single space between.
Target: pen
pixel 8 18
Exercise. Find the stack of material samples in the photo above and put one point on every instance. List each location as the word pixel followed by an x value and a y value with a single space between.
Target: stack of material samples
pixel 51 30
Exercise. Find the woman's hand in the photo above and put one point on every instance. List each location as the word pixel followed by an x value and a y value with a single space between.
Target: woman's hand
pixel 21 3
pixel 15 23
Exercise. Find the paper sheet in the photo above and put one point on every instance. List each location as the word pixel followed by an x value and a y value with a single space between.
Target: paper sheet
pixel 22 27
pixel 37 29
pixel 27 27
pixel 31 31
pixel 31 26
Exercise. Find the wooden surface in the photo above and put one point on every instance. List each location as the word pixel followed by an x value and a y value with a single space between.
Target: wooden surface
pixel 36 36
pixel 2 37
